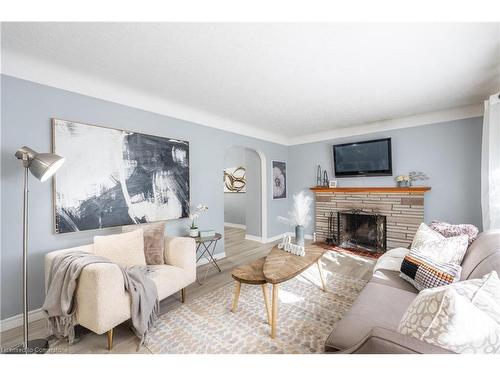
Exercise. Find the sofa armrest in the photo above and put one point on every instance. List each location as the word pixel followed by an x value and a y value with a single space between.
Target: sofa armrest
pixel 181 252
pixel 385 341
pixel 101 300
pixel 49 258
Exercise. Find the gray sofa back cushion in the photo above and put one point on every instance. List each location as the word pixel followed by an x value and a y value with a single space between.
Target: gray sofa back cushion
pixel 483 256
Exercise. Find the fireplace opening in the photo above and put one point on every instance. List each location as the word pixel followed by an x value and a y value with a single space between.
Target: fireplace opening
pixel 363 230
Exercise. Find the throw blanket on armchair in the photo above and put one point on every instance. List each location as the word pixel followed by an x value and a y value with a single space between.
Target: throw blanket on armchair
pixel 59 306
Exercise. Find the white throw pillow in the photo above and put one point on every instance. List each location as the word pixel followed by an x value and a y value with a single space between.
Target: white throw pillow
pixel 435 246
pixel 125 249
pixel 463 317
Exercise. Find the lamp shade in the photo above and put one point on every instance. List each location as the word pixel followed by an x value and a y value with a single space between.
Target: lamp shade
pixel 42 166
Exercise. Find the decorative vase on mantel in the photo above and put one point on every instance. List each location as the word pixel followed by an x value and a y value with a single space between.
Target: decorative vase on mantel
pixel 299 235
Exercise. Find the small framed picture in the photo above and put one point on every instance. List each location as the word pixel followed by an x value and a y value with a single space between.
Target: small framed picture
pixel 332 183
pixel 279 179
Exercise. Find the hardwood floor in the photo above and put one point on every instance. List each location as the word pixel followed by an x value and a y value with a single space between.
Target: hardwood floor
pixel 238 251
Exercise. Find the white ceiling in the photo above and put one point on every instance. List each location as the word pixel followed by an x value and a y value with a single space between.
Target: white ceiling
pixel 283 82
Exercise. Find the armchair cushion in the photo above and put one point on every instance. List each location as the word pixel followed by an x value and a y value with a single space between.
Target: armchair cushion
pixel 125 249
pixel 154 240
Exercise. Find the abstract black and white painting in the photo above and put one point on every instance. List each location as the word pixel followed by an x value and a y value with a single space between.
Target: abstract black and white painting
pixel 114 177
pixel 279 179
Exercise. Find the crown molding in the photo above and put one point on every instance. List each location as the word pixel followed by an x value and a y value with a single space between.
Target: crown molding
pixel 429 118
pixel 50 74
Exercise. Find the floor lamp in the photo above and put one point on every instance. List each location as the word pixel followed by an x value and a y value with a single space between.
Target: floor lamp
pixel 42 166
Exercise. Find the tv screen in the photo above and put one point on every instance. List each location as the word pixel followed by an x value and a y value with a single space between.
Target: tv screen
pixel 368 158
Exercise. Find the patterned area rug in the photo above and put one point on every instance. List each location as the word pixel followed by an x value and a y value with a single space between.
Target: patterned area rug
pixel 306 316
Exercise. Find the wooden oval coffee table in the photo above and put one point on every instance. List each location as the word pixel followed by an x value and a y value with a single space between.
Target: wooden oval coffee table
pixel 281 266
pixel 278 267
pixel 251 273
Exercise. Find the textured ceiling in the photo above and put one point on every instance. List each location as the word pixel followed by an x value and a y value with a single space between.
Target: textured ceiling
pixel 285 79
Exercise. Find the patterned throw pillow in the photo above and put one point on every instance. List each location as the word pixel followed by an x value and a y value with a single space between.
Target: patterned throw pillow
pixel 154 241
pixel 423 272
pixel 435 246
pixel 453 230
pixel 463 317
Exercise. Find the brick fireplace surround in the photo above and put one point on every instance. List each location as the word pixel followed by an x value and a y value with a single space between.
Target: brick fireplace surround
pixel 403 208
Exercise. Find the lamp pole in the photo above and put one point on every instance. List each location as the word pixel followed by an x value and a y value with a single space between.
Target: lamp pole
pixel 25 257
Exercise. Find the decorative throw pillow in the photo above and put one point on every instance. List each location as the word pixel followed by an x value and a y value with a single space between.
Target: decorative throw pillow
pixel 463 317
pixel 423 272
pixel 431 244
pixel 154 241
pixel 125 249
pixel 453 230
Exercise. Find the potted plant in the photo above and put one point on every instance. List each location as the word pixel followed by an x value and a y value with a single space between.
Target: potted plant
pixel 402 180
pixel 299 215
pixel 195 214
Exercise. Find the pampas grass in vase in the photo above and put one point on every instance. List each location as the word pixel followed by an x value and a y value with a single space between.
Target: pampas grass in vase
pixel 299 216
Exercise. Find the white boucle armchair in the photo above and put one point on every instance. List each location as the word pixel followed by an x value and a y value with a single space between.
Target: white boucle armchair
pixel 101 300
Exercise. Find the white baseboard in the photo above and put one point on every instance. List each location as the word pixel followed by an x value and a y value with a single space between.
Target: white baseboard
pixel 217 256
pixel 253 238
pixel 234 225
pixel 17 320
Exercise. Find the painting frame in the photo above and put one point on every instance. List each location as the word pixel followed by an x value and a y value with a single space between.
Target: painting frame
pixel 187 203
pixel 230 173
pixel 277 192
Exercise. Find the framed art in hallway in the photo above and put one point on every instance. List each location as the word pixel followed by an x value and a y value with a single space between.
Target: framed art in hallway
pixel 115 177
pixel 279 179
pixel 235 180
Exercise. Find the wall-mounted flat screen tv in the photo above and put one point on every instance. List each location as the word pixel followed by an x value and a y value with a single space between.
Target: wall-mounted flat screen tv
pixel 368 158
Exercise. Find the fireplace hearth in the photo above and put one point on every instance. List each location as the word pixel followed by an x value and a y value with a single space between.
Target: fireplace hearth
pixel 361 230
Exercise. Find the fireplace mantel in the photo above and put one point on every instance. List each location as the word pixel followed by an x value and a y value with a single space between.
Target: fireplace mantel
pixel 368 189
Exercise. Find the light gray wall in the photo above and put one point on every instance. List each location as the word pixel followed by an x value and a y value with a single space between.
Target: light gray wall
pixel 253 207
pixel 449 153
pixel 27 108
pixel 235 203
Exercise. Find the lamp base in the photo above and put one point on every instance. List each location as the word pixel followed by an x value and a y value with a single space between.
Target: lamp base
pixel 39 346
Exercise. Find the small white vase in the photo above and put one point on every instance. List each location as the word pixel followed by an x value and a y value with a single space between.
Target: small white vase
pixel 193 232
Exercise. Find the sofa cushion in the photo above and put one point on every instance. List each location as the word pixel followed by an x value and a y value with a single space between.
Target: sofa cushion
pixel 168 279
pixel 392 278
pixel 425 273
pixel 433 245
pixel 462 317
pixel 378 305
pixel 154 240
pixel 125 249
pixel 453 230
pixel 483 256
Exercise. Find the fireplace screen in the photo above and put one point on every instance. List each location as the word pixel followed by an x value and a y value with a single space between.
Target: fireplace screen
pixel 363 230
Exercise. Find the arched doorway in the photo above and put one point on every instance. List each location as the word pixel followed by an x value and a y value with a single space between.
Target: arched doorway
pixel 245 208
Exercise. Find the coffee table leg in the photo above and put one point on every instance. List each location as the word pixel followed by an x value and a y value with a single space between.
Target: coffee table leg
pixel 275 310
pixel 266 301
pixel 321 275
pixel 236 296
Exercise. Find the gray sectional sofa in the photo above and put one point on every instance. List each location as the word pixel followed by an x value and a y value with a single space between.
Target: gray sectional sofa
pixel 371 323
